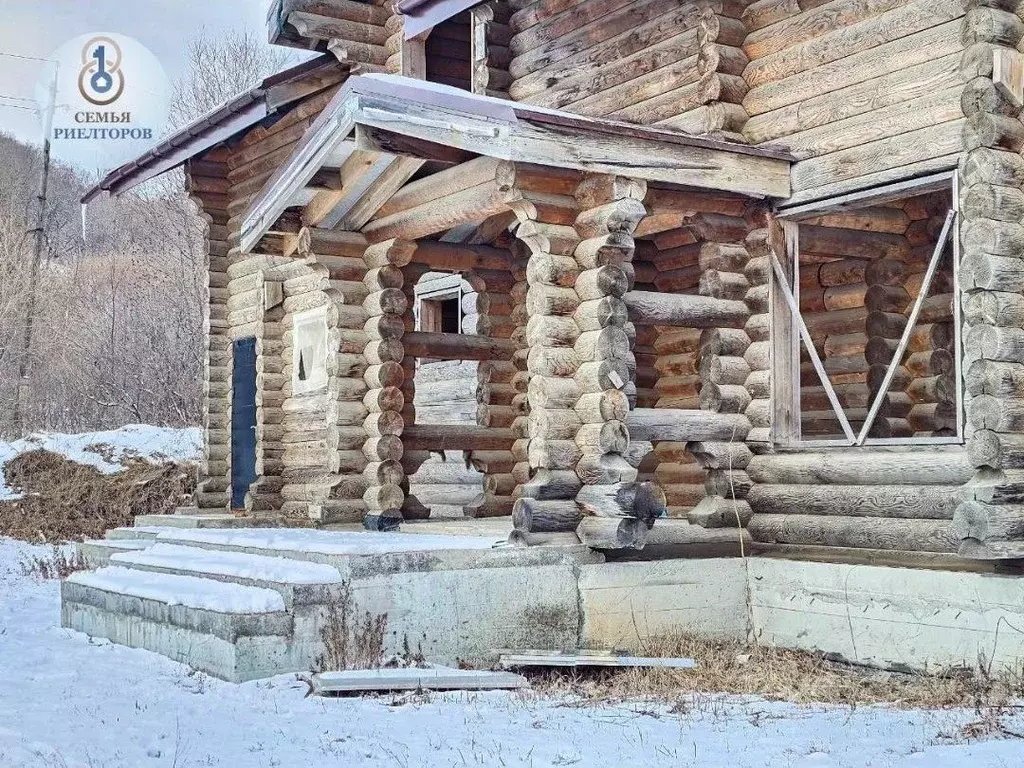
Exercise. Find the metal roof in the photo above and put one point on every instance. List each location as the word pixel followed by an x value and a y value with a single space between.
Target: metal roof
pixel 213 128
pixel 421 15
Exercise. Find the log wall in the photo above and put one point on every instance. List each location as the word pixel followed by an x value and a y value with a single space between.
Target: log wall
pixel 863 93
pixel 645 61
pixel 988 522
pixel 223 181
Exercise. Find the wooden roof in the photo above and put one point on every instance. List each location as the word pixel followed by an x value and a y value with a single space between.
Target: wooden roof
pixel 390 116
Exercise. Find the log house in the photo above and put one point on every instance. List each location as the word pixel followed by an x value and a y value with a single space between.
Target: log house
pixel 589 264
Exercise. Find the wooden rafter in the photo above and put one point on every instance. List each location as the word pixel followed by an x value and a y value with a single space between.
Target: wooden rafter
pixel 431 119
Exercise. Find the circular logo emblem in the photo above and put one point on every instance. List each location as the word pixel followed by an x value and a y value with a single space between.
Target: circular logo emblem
pixel 101 80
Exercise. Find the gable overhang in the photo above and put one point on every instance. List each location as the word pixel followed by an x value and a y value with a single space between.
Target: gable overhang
pixel 441 116
pixel 222 124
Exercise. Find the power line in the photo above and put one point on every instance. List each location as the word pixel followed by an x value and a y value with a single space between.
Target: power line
pixel 18 106
pixel 19 56
pixel 15 98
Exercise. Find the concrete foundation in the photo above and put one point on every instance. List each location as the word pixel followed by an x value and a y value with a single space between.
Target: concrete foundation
pixel 460 605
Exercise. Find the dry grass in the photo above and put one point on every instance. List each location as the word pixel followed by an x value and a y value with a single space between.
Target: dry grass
pixel 66 501
pixel 59 564
pixel 350 641
pixel 803 678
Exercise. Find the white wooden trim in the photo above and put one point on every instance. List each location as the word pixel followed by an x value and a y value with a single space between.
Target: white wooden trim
pixel 780 275
pixel 294 176
pixel 926 286
pixel 863 198
pixel 958 353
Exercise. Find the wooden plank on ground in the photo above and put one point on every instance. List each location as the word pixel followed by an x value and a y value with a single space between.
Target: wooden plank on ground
pixel 585 658
pixel 414 679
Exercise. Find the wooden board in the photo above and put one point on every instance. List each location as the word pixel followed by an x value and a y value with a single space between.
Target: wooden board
pixel 414 679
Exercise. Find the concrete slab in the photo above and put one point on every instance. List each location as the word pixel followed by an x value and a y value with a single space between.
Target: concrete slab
pixel 178 520
pixel 97 552
pixel 889 617
pixel 625 605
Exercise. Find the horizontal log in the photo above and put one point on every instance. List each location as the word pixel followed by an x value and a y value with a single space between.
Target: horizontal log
pixel 452 437
pixel 861 466
pixel 856 532
pixel 612 533
pixel 539 516
pixel 932 502
pixel 456 346
pixel 682 426
pixel 687 311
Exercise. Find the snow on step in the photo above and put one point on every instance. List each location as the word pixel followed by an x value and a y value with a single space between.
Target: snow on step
pixel 189 591
pixel 231 564
pixel 327 542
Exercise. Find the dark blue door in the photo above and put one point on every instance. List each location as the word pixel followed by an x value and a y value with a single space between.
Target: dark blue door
pixel 243 420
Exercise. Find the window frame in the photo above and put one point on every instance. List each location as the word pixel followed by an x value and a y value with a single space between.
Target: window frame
pixel 786 340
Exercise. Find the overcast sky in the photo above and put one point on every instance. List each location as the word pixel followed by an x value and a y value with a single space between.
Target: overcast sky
pixel 36 28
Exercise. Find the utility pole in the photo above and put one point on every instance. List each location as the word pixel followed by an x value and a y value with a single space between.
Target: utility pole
pixel 25 365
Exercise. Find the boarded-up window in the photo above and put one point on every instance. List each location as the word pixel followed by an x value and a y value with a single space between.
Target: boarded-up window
pixel 309 351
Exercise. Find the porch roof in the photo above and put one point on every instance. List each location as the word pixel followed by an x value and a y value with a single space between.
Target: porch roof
pixel 389 116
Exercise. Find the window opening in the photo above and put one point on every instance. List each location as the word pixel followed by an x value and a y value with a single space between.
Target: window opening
pixel 868 322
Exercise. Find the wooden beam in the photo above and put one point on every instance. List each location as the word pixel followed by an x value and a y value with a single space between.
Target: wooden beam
pixel 583 144
pixel 380 140
pixel 684 426
pixel 398 171
pixel 471 204
pixel 684 310
pixel 456 346
pixel 455 257
pixel 455 437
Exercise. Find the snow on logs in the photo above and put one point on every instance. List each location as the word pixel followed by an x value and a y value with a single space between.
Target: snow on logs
pixel 684 310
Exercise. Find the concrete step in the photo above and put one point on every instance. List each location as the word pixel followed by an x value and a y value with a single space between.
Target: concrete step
pixel 141 533
pixel 232 631
pixel 357 554
pixel 210 520
pixel 97 552
pixel 299 582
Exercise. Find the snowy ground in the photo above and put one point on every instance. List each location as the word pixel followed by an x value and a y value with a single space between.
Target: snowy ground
pixel 67 702
pixel 105 450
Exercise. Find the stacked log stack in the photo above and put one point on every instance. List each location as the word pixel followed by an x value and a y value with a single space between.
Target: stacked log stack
pixel 494 392
pixel 223 181
pixel 548 501
pixel 312 422
pixel 520 379
pixel 887 303
pixel 610 210
pixel 988 523
pixel 724 371
pixel 677 65
pixel 758 329
pixel 677 358
pixel 385 306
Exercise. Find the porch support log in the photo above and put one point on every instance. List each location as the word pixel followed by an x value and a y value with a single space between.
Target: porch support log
pixel 385 306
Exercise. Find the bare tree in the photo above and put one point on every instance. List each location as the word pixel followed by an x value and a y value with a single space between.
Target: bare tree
pixel 121 313
pixel 220 67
